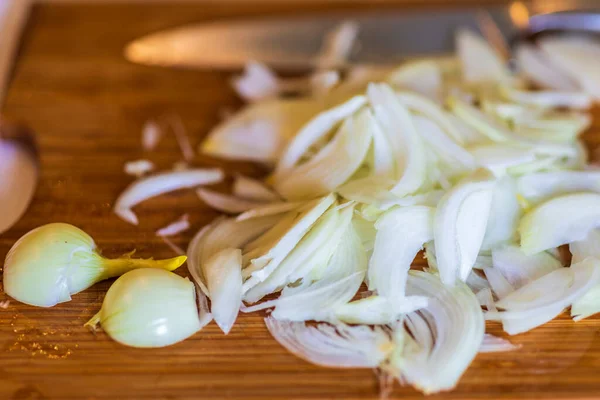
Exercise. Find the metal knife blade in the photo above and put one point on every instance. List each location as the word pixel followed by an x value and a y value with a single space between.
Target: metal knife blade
pixel 293 43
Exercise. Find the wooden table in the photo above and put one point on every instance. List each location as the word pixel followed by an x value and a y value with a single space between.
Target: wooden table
pixel 87 105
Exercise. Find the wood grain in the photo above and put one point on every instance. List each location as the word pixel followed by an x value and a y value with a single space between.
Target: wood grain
pixel 87 105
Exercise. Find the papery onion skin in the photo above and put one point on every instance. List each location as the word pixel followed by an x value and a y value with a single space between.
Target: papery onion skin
pixel 49 264
pixel 149 308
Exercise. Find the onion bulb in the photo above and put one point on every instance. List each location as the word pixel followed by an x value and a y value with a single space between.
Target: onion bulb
pixel 149 308
pixel 50 263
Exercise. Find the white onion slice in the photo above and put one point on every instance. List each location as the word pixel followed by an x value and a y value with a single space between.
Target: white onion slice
pixel 182 224
pixel 333 165
pixel 495 344
pixel 225 202
pixel 559 221
pixel 138 168
pixel 155 185
pixel 421 76
pixel 341 346
pixel 151 135
pixel 542 186
pixel 549 99
pixel 520 269
pixel 258 82
pixel 337 45
pixel 498 158
pixel 459 225
pixel 479 61
pixel 377 310
pixel 314 131
pixel 260 131
pixel 540 70
pixel 223 274
pixel 266 210
pixel 543 299
pixel 442 339
pixel 589 304
pixel 392 258
pixel 504 216
pixel 498 283
pixel 252 189
pixel 587 247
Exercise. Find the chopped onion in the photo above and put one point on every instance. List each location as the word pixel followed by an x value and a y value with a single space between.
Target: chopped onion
pixel 266 210
pixel 573 100
pixel 504 216
pixel 223 274
pixel 337 45
pixel 252 189
pixel 438 342
pixel 226 203
pixel 258 82
pixel 542 186
pixel 559 221
pixel 533 63
pixel 422 76
pixel 138 168
pixel 459 225
pixel 151 135
pixel 181 225
pixel 519 269
pixel 495 344
pixel 333 165
pixel 155 185
pixel 479 61
pixel 339 346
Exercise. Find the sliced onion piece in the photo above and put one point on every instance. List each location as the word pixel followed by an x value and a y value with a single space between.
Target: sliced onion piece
pixel 377 310
pixel 520 269
pixel 559 221
pixel 265 264
pixel 225 202
pixel 589 304
pixel 588 247
pixel 333 165
pixel 223 274
pixel 429 109
pixel 498 283
pixel 338 346
pixel 480 62
pixel 392 256
pixel 155 185
pixel 266 210
pixel 138 168
pixel 314 249
pixel 495 344
pixel 547 296
pixel 315 130
pixel 407 146
pixel 180 225
pixel 421 76
pixel 317 301
pixel 260 131
pixel 505 213
pixel 252 189
pixel 542 186
pixel 548 99
pixel 459 225
pixel 441 340
pixel 221 234
pixel 498 158
pixel 257 83
pixel 540 70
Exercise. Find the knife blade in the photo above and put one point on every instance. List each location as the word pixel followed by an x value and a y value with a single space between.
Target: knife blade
pixel 294 42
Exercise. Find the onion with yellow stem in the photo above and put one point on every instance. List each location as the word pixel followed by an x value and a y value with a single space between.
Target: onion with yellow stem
pixel 51 263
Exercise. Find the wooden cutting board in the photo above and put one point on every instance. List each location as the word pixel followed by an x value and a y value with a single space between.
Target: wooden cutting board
pixel 88 105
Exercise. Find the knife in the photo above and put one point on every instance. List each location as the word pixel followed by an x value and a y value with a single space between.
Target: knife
pixel 294 42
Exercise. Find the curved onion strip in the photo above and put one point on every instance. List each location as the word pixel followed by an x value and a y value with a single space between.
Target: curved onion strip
pixel 454 322
pixel 407 146
pixel 315 130
pixel 155 185
pixel 317 301
pixel 459 225
pixel 377 310
pixel 589 304
pixel 495 344
pixel 434 112
pixel 270 209
pixel 223 274
pixel 225 202
pixel 505 213
pixel 498 158
pixel 541 186
pixel 519 269
pixel 315 247
pixel 260 131
pixel 499 284
pixel 559 221
pixel 588 247
pixel 341 346
pixel 180 225
pixel 535 66
pixel 392 258
pixel 252 189
pixel 551 99
pixel 547 296
pixel 333 165
pixel 479 61
pixel 221 234
pixel 265 264
pixel 421 76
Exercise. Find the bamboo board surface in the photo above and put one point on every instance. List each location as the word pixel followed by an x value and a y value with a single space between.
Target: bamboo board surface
pixel 87 105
